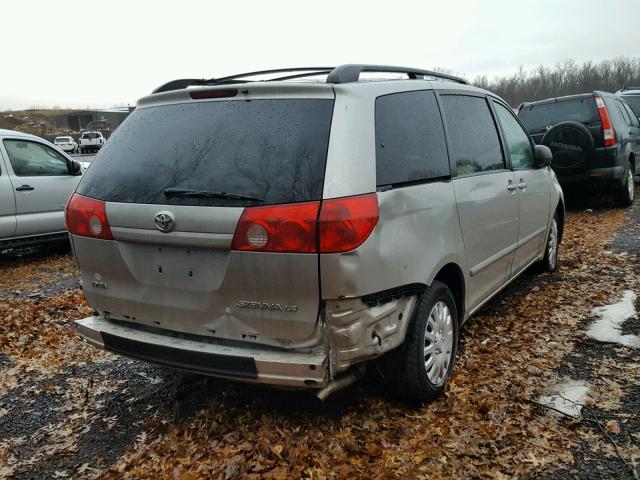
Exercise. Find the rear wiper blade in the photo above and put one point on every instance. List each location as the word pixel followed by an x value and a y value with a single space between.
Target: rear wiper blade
pixel 183 192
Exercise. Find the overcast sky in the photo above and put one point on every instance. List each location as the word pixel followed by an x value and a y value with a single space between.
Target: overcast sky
pixel 99 54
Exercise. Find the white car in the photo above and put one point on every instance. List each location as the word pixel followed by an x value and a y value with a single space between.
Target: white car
pixel 91 142
pixel 66 144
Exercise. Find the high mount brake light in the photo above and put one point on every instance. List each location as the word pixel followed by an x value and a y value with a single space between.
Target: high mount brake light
pixel 87 217
pixel 202 94
pixel 608 132
pixel 333 226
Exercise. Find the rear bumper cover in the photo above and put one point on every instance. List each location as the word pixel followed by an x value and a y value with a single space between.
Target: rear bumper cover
pixel 252 364
pixel 596 177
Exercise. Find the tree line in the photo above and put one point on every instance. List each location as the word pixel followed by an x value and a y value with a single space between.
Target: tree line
pixel 566 78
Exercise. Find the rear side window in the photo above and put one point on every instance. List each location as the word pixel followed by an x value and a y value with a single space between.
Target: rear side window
pixel 474 145
pixel 634 102
pixel 538 116
pixel 271 150
pixel 410 143
pixel 634 119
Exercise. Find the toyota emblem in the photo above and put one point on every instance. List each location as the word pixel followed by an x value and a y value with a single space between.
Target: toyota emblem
pixel 165 221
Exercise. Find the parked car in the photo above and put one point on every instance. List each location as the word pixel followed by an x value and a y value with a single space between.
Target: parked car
pixel 288 233
pixel 66 144
pixel 595 140
pixel 36 181
pixel 631 95
pixel 91 142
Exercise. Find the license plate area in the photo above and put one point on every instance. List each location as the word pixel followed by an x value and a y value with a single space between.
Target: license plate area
pixel 176 267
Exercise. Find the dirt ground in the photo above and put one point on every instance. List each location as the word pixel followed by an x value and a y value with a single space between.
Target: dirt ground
pixel 68 410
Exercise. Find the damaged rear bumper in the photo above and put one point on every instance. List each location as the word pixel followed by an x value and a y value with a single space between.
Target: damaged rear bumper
pixel 249 364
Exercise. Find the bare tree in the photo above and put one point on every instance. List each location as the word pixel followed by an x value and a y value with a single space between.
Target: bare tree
pixel 566 78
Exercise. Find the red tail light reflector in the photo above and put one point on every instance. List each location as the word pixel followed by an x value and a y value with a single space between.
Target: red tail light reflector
pixel 87 217
pixel 345 223
pixel 607 128
pixel 337 225
pixel 201 94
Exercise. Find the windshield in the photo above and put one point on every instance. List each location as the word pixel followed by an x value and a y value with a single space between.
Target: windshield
pixel 538 116
pixel 90 135
pixel 273 150
pixel 634 103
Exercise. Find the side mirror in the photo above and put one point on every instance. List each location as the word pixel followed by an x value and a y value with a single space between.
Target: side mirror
pixel 542 156
pixel 75 168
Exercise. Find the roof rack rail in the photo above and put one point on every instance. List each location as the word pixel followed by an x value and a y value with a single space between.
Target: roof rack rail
pixel 351 73
pixel 188 82
pixel 342 74
pixel 626 87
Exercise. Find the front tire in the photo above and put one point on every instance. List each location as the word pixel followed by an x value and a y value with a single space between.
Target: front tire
pixel 428 354
pixel 549 262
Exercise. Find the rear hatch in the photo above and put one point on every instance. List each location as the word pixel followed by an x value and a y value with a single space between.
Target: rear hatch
pixel 175 180
pixel 539 117
pixel 571 127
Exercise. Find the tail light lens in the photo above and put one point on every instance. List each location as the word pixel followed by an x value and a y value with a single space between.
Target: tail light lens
pixel 337 225
pixel 87 217
pixel 278 228
pixel 607 128
pixel 345 223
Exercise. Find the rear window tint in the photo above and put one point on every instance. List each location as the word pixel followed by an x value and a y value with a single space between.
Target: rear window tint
pixel 474 145
pixel 274 150
pixel 410 142
pixel 90 135
pixel 537 117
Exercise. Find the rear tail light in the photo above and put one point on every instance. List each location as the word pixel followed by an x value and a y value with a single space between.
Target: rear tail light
pixel 345 223
pixel 607 128
pixel 278 228
pixel 336 225
pixel 87 217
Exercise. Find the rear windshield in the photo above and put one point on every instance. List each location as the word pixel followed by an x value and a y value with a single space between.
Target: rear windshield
pixel 62 139
pixel 537 117
pixel 272 150
pixel 634 103
pixel 91 135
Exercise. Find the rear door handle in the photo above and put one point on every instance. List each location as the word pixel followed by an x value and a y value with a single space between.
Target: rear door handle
pixel 511 187
pixel 24 188
pixel 522 185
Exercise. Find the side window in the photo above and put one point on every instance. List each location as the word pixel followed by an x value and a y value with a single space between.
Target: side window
pixel 634 120
pixel 31 159
pixel 517 140
pixel 624 113
pixel 410 143
pixel 474 145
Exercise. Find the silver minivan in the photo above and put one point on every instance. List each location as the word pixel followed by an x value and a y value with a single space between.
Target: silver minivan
pixel 289 231
pixel 36 181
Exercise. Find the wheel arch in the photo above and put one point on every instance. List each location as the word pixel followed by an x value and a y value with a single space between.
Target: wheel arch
pixel 451 275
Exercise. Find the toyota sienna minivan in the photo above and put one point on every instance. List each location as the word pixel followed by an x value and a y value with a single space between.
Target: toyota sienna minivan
pixel 290 230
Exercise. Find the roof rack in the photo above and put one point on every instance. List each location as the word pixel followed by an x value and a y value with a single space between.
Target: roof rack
pixel 630 88
pixel 349 73
pixel 188 82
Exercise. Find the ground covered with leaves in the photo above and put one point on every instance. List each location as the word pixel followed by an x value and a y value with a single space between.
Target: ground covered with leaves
pixel 68 410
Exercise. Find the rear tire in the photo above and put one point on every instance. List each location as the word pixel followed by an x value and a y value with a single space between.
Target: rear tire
pixel 426 359
pixel 626 190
